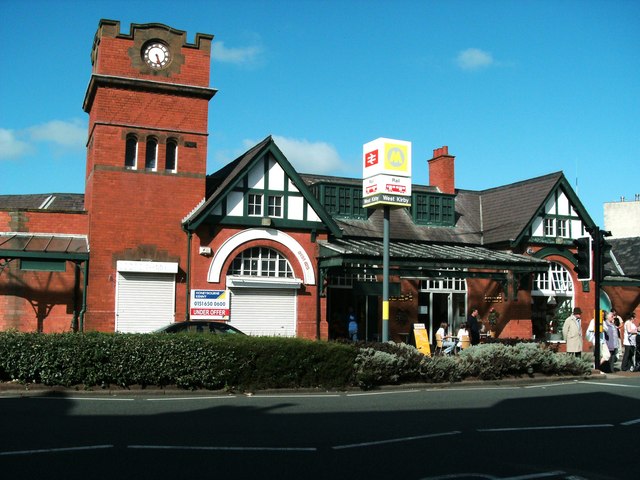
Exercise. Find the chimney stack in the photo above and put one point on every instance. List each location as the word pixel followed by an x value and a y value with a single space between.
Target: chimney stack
pixel 441 170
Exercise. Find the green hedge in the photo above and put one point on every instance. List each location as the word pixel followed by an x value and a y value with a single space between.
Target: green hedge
pixel 186 361
pixel 237 362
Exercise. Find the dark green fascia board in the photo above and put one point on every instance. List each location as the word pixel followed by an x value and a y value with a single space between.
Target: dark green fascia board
pixel 546 251
pixel 12 254
pixel 427 273
pixel 414 263
pixel 622 282
pixel 275 222
pixel 573 198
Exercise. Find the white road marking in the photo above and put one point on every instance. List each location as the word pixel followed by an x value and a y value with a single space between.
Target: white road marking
pixel 394 440
pixel 170 399
pixel 56 450
pixel 631 422
pixel 549 427
pixel 222 448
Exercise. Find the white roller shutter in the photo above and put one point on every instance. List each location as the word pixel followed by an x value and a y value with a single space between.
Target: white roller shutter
pixel 264 311
pixel 145 301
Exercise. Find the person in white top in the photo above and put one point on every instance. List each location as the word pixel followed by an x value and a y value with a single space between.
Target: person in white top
pixel 447 343
pixel 463 331
pixel 630 342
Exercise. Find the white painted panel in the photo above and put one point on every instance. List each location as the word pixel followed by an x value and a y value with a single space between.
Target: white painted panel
pixel 576 229
pixel 256 176
pixel 144 301
pixel 550 207
pixel 296 208
pixel 260 311
pixel 292 187
pixel 564 207
pixel 276 176
pixel 538 227
pixel 235 204
pixel 312 216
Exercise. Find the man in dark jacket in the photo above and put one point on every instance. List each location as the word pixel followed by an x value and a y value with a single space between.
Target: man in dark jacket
pixel 474 326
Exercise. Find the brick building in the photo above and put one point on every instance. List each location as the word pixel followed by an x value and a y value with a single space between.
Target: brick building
pixel 291 252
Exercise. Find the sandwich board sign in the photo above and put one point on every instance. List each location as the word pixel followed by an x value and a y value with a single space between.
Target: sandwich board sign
pixel 422 339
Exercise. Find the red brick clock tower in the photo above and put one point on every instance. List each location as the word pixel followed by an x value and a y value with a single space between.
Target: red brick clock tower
pixel 147 102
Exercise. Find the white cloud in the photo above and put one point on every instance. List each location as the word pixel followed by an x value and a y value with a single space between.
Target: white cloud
pixel 238 55
pixel 61 134
pixel 474 59
pixel 66 134
pixel 11 146
pixel 305 156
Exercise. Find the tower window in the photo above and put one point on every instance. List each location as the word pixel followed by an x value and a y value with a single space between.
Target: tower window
pixel 171 157
pixel 151 158
pixel 131 152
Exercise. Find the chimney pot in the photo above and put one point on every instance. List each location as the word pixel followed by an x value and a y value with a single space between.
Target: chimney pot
pixel 441 170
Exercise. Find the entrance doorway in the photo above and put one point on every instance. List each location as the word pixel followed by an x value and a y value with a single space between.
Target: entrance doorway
pixel 445 301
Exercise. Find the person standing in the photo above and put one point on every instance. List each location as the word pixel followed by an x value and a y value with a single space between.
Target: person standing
pixel 611 340
pixel 474 326
pixel 630 342
pixel 572 332
pixel 352 325
pixel 619 323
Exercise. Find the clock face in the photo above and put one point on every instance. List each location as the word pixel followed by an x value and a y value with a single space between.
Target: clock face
pixel 156 55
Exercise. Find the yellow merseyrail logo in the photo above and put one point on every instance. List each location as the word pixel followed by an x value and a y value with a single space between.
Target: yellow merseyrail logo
pixel 396 157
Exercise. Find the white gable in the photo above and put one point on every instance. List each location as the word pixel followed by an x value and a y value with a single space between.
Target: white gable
pixel 256 176
pixel 276 176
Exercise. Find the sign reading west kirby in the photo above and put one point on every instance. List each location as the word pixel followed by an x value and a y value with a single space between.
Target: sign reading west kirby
pixel 386 173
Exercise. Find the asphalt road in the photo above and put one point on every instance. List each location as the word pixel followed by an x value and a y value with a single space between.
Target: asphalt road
pixel 572 429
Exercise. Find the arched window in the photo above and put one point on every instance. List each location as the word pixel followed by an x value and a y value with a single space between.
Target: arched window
pixel 171 156
pixel 131 152
pixel 151 158
pixel 555 281
pixel 261 262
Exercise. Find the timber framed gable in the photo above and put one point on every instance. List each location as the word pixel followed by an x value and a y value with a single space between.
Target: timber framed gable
pixel 559 219
pixel 262 189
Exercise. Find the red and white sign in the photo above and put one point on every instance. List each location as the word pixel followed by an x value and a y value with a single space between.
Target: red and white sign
pixel 386 184
pixel 370 159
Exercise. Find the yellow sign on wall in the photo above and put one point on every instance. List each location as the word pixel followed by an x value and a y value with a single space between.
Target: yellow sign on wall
pixel 422 339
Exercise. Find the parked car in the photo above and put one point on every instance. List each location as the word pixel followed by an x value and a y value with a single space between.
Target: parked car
pixel 200 326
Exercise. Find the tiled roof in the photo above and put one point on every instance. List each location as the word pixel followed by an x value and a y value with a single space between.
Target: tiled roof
pixel 62 202
pixel 626 252
pixel 420 254
pixel 507 210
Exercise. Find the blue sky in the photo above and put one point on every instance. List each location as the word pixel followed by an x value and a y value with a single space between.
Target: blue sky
pixel 516 89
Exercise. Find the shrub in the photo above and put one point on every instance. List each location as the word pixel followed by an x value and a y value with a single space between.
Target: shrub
pixel 187 361
pixel 248 363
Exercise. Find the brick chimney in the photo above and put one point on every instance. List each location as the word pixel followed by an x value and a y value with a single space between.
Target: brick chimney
pixel 441 170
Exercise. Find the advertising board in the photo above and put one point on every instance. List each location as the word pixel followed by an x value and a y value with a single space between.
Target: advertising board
pixel 209 305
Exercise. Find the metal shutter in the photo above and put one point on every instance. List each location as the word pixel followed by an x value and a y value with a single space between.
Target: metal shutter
pixel 145 301
pixel 264 311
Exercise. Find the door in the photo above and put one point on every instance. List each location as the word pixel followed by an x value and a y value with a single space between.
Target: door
pixel 144 301
pixel 264 311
